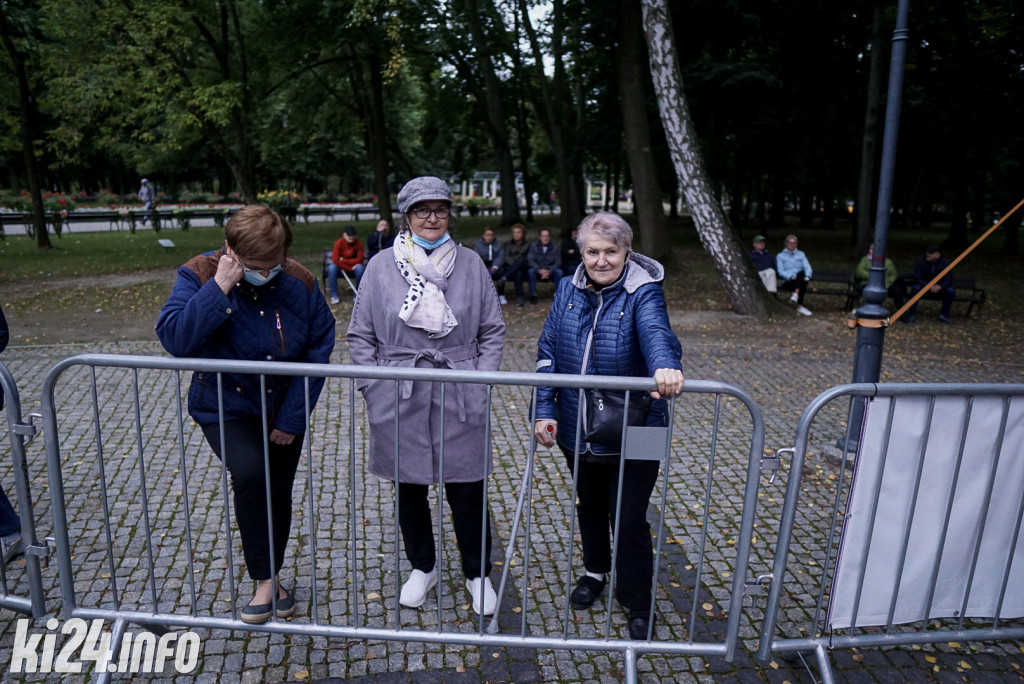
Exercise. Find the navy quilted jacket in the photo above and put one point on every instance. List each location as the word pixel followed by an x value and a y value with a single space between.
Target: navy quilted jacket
pixel 631 336
pixel 284 320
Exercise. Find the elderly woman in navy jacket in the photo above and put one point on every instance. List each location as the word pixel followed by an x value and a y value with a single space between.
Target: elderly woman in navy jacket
pixel 249 301
pixel 609 318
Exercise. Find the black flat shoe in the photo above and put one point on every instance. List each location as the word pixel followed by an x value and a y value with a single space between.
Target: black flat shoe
pixel 638 625
pixel 257 614
pixel 586 592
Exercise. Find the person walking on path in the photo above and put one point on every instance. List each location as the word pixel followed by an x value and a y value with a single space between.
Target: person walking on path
pixel 147 196
pixel 428 303
pixel 249 301
pixel 609 319
pixel 794 271
pixel 347 256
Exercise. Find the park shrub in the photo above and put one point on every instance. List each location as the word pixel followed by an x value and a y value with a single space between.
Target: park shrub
pixel 20 202
pixel 106 198
pixel 58 201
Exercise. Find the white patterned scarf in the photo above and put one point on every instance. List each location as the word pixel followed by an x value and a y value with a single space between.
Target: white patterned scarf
pixel 424 306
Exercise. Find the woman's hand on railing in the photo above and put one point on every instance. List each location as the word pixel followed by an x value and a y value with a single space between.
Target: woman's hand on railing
pixel 670 382
pixel 545 431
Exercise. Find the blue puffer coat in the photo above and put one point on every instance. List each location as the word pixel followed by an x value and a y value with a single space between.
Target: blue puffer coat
pixel 631 336
pixel 285 320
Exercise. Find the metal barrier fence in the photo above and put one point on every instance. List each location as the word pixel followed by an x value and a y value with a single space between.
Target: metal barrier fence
pixel 21 434
pixel 156 497
pixel 924 542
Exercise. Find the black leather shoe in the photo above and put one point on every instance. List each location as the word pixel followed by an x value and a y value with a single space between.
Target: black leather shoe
pixel 586 592
pixel 638 624
pixel 533 299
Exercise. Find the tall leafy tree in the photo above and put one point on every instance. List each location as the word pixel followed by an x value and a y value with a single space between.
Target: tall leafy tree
pixel 149 75
pixel 19 34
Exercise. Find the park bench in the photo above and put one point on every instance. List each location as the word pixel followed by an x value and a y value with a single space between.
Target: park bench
pixel 966 287
pixel 836 283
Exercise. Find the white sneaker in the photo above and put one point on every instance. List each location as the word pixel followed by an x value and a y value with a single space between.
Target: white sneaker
pixel 414 591
pixel 334 300
pixel 803 310
pixel 502 300
pixel 794 297
pixel 11 546
pixel 490 599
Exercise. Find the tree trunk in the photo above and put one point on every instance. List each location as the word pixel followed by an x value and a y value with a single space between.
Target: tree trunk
pixel 494 112
pixel 522 131
pixel 738 278
pixel 378 136
pixel 552 95
pixel 639 152
pixel 26 107
pixel 864 232
pixel 369 102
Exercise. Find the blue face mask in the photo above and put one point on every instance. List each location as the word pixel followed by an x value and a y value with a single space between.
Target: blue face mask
pixel 426 244
pixel 256 278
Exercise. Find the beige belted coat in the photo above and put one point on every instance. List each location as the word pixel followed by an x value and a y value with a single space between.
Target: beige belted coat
pixel 378 337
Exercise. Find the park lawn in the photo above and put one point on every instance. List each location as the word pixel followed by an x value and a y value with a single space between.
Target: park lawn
pixel 119 252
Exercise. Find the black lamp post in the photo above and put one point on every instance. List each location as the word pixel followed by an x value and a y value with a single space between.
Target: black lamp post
pixel 867 361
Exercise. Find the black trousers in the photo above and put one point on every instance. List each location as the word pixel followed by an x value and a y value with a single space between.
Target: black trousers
pixel 516 273
pixel 797 283
pixel 466 502
pixel 596 490
pixel 248 483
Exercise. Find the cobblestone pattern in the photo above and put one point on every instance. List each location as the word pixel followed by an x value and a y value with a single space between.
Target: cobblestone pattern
pixel 355 559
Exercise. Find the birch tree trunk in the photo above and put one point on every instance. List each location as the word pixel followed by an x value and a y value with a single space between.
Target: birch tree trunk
pixel 741 283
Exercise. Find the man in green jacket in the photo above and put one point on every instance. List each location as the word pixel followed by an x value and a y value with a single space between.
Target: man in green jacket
pixel 893 283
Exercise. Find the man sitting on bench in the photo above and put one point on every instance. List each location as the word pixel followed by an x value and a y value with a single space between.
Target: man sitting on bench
pixel 926 268
pixel 347 257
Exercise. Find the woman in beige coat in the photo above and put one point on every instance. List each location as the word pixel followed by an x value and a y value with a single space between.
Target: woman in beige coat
pixel 428 303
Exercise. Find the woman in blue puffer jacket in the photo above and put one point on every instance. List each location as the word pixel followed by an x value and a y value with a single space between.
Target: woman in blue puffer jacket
pixel 250 302
pixel 609 319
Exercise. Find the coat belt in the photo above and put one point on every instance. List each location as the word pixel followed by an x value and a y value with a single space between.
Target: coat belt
pixel 441 358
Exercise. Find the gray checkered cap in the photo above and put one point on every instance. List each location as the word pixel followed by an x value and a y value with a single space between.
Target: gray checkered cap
pixel 423 189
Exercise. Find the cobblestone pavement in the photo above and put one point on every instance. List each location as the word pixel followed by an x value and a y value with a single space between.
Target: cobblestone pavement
pixel 354 559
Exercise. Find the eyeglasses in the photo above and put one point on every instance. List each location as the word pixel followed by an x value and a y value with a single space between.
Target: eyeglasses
pixel 273 270
pixel 424 213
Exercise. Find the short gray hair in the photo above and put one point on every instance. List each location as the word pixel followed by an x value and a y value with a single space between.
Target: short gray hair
pixel 608 225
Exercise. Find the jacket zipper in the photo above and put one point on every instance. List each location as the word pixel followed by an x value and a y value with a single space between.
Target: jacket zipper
pixel 280 330
pixel 586 356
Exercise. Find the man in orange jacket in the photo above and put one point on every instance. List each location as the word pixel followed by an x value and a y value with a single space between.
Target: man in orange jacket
pixel 348 257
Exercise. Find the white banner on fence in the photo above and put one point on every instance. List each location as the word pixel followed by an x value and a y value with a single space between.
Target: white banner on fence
pixel 869 554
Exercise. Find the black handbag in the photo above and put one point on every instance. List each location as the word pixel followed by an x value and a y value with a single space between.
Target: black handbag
pixel 605 410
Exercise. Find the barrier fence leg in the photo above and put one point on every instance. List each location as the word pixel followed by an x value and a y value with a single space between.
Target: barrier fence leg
pixel 116 637
pixel 824 665
pixel 630 666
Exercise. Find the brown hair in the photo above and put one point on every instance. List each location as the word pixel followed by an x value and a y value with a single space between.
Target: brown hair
pixel 258 232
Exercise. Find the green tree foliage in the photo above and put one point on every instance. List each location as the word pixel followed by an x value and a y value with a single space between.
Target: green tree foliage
pixel 147 78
